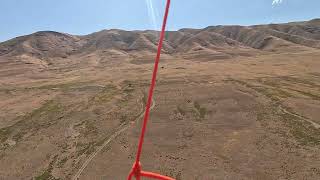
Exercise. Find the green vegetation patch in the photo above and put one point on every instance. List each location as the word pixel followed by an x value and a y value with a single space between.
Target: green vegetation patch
pixel 299 80
pixel 300 129
pixel 87 149
pixel 105 95
pixel 308 94
pixel 39 118
pixel 144 98
pixel 61 86
pixel 181 110
pixel 4 134
pixel 46 175
pixel 304 132
pixel 202 111
pixel 62 162
pixel 89 129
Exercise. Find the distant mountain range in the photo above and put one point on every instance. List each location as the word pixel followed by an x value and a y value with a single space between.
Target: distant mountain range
pixel 216 42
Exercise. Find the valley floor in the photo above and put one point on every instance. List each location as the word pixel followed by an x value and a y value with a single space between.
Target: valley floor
pixel 241 118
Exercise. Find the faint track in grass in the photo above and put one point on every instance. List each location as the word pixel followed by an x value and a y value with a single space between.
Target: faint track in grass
pixel 124 126
pixel 283 109
pixel 314 124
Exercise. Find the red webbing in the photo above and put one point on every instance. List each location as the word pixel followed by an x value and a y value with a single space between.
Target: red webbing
pixel 136 169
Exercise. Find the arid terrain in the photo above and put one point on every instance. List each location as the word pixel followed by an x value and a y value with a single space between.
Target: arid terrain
pixel 231 102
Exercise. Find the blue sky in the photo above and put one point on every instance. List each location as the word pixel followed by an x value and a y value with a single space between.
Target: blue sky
pixel 20 17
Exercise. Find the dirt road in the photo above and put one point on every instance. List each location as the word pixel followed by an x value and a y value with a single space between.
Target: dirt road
pixel 123 127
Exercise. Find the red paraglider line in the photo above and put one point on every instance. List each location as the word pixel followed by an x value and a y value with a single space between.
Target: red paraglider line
pixel 136 169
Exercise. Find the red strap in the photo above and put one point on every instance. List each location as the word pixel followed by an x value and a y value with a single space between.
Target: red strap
pixel 136 169
pixel 137 173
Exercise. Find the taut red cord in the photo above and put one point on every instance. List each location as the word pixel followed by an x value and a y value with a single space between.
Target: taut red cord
pixel 136 169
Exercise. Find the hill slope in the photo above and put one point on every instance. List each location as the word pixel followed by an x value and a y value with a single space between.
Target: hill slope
pixel 211 40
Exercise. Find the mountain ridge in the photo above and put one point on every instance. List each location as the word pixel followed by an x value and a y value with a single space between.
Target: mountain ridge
pixel 210 40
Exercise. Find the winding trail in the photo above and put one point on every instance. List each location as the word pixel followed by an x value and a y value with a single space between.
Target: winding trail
pixel 314 124
pixel 124 126
pixel 283 109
